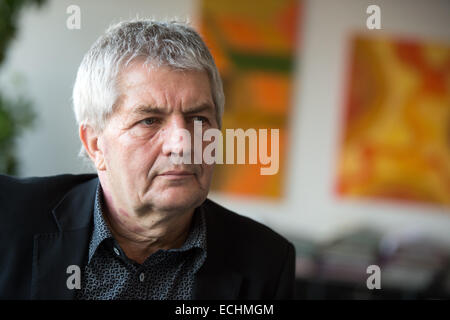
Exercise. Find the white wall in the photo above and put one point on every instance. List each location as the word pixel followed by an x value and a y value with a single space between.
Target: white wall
pixel 48 54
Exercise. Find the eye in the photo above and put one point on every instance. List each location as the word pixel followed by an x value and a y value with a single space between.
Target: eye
pixel 149 121
pixel 200 118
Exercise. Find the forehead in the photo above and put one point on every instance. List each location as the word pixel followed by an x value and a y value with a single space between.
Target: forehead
pixel 164 87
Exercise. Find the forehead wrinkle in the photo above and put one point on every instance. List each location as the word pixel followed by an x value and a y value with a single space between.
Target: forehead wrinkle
pixel 142 100
pixel 159 98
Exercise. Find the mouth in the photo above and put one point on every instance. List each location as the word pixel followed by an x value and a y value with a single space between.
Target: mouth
pixel 175 174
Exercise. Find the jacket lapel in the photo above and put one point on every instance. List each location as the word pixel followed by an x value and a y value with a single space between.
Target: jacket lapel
pixel 222 285
pixel 216 280
pixel 53 253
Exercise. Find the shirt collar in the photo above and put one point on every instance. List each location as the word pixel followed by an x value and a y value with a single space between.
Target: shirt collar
pixel 196 237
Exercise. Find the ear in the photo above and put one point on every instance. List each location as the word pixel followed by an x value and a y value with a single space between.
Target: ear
pixel 91 139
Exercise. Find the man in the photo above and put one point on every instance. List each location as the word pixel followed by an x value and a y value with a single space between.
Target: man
pixel 142 228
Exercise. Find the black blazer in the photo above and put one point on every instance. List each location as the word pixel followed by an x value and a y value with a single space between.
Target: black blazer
pixel 46 224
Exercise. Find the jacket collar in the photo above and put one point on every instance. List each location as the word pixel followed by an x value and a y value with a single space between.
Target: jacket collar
pixel 216 279
pixel 75 209
pixel 54 253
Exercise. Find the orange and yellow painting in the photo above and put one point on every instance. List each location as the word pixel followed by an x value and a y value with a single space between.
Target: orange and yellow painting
pixel 396 130
pixel 255 48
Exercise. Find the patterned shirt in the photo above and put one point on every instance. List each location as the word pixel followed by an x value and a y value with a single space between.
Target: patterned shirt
pixel 166 274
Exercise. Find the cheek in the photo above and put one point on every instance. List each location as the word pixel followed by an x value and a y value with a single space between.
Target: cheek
pixel 132 153
pixel 116 153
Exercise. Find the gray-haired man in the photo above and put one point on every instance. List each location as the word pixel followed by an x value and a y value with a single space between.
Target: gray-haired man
pixel 143 228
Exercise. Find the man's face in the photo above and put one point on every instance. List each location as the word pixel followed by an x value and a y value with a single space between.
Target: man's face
pixel 143 133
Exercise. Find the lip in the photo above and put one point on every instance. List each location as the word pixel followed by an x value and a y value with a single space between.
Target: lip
pixel 176 173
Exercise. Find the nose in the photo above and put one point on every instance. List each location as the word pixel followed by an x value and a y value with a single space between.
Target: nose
pixel 176 138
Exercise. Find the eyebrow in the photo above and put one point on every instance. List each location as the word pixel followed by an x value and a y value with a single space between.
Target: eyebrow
pixel 148 109
pixel 200 108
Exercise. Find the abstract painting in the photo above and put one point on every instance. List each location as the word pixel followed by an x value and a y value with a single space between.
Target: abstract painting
pixel 395 141
pixel 254 44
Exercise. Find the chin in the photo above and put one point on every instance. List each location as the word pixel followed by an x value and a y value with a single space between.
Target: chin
pixel 174 200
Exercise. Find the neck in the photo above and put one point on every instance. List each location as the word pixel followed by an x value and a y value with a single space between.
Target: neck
pixel 142 234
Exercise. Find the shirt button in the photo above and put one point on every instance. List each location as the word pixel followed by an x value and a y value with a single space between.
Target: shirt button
pixel 116 251
pixel 141 277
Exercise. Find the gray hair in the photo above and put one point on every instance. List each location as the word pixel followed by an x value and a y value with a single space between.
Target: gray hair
pixel 173 44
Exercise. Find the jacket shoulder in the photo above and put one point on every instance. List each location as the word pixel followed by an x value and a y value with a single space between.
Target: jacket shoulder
pixel 23 199
pixel 263 257
pixel 10 185
pixel 245 234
